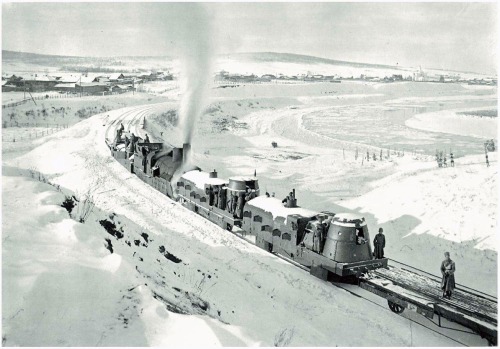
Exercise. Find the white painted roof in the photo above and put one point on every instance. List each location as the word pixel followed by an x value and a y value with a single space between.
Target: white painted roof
pixel 200 178
pixel 277 208
pixel 244 178
pixel 349 220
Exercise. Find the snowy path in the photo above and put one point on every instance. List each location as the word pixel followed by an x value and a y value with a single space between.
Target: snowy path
pixel 253 296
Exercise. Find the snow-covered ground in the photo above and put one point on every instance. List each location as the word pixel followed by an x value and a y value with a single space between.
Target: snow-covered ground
pixel 62 287
pixel 173 275
pixel 449 121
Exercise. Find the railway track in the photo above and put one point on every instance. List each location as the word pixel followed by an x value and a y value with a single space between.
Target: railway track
pixel 355 291
pixel 131 120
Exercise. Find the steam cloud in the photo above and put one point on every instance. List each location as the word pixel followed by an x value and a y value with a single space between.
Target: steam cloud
pixel 196 62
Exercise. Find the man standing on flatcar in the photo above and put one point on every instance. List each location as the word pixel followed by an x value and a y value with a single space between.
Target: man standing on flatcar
pixel 448 272
pixel 379 244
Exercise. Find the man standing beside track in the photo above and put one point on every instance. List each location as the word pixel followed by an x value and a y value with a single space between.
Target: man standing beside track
pixel 379 244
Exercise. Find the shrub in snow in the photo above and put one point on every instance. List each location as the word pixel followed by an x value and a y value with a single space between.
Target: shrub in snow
pixel 109 246
pixel 110 227
pixel 85 207
pixel 69 204
pixel 168 255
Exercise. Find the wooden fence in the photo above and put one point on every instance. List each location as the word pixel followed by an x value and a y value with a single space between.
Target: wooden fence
pixel 53 95
pixel 14 104
pixel 33 133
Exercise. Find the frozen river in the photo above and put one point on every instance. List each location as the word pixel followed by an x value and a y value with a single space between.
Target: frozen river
pixel 383 125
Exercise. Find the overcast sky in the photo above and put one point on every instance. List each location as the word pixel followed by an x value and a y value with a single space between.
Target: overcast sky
pixel 459 36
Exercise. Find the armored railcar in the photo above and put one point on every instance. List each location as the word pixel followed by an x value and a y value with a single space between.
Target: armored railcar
pixel 323 241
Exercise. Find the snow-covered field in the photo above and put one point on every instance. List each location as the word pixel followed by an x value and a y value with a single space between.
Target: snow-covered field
pixel 449 121
pixel 174 279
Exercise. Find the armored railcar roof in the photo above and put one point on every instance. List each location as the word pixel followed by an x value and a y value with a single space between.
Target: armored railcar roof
pixel 349 220
pixel 277 209
pixel 243 178
pixel 200 178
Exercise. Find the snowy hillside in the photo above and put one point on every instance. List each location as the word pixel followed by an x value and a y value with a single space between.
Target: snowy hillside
pixel 170 273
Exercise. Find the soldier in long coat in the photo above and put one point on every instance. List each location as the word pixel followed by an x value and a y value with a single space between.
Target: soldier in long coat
pixel 318 236
pixel 222 198
pixel 379 244
pixel 230 203
pixel 210 192
pixel 133 139
pixel 118 136
pixel 234 203
pixel 216 196
pixel 448 272
pixel 239 205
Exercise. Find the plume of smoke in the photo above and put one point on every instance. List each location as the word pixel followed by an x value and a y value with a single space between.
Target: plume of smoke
pixel 196 61
pixel 195 53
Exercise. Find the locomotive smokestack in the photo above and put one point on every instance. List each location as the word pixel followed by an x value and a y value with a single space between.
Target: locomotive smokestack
pixel 186 152
pixel 177 154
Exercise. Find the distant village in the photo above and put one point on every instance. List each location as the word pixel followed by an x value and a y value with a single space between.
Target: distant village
pixel 114 83
pixel 83 84
pixel 225 77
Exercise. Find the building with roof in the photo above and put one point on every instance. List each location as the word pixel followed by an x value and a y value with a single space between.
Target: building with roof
pixel 91 88
pixel 65 87
pixel 7 87
pixel 115 77
pixel 66 78
pixel 37 82
pixel 122 88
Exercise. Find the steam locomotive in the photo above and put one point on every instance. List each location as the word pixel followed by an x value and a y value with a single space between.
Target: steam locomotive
pixel 325 242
